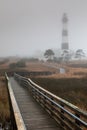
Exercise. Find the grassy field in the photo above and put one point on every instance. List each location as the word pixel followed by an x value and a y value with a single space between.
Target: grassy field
pixel 71 89
pixel 4 105
pixel 71 86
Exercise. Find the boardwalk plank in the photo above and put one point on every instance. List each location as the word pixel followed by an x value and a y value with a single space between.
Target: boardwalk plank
pixel 34 116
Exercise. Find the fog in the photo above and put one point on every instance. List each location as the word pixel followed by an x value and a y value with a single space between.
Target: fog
pixel 30 25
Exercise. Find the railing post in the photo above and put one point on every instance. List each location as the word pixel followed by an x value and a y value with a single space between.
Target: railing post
pixel 38 97
pixel 61 115
pixel 52 108
pixel 45 100
pixel 76 121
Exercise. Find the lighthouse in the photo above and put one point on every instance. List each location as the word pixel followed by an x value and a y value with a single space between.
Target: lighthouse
pixel 65 44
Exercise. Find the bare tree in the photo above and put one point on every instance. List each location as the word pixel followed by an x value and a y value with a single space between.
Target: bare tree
pixel 49 54
pixel 79 54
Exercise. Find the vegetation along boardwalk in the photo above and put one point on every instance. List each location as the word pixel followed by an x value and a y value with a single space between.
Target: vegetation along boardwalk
pixel 34 116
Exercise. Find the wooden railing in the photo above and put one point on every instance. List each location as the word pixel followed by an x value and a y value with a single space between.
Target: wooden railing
pixel 16 118
pixel 66 114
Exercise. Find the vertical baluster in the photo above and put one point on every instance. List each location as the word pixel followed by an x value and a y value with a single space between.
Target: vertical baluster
pixel 52 106
pixel 44 100
pixel 61 115
pixel 76 121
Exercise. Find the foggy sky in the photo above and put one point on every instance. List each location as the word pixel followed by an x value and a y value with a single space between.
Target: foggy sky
pixel 30 25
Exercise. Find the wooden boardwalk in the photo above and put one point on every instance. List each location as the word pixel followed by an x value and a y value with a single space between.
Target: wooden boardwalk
pixel 34 116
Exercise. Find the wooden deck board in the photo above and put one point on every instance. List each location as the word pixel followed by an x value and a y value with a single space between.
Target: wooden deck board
pixel 34 116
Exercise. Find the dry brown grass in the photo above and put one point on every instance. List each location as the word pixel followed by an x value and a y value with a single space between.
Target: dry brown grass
pixel 54 67
pixel 70 72
pixel 4 105
pixel 73 90
pixel 38 66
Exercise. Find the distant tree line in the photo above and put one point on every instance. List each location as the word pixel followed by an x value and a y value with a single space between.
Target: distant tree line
pixel 22 63
pixel 4 61
pixel 19 64
pixel 32 59
pixel 66 55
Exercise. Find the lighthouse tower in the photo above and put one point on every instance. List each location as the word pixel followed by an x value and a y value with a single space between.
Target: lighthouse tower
pixel 65 44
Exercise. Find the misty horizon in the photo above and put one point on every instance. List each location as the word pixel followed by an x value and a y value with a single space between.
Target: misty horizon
pixel 28 26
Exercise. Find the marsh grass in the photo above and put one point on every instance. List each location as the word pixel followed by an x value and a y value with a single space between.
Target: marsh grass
pixel 72 89
pixel 4 104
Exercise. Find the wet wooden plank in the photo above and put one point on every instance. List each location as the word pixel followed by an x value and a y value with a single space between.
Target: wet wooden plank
pixel 34 116
pixel 17 115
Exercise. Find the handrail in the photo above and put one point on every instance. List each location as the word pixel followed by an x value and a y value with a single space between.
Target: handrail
pixel 69 115
pixel 71 106
pixel 19 123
